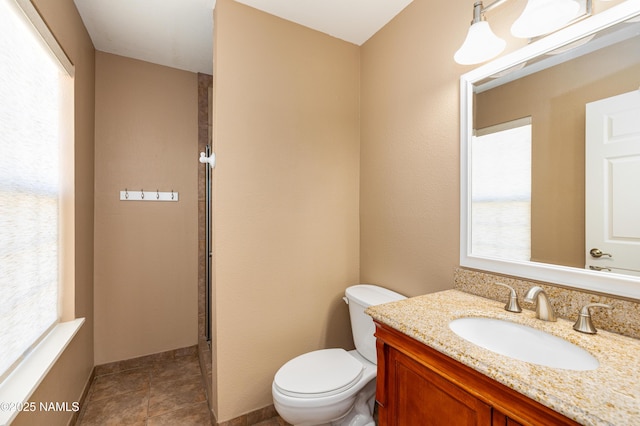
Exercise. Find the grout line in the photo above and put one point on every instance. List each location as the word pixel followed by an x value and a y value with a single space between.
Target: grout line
pixel 149 369
pixel 146 417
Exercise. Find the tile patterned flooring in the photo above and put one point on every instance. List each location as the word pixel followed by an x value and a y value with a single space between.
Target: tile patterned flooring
pixel 275 421
pixel 151 393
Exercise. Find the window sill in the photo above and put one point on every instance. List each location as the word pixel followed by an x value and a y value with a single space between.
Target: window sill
pixel 16 389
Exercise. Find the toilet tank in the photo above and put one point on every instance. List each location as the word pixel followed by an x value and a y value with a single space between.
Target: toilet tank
pixel 360 297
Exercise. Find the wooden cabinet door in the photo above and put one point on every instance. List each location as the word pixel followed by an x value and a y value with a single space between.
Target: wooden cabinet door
pixel 419 386
pixel 418 396
pixel 500 419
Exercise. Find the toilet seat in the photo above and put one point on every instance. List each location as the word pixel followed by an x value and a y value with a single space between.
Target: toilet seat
pixel 318 374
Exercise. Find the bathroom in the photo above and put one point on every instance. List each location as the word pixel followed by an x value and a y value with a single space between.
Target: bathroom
pixel 339 168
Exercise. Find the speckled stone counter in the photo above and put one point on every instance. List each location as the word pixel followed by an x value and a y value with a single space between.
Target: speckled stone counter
pixel 609 395
pixel 624 318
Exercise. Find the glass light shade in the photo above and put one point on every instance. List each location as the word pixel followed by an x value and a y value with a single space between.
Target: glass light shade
pixel 544 16
pixel 480 45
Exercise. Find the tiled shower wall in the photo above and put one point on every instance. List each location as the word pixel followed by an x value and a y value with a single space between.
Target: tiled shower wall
pixel 205 83
pixel 623 319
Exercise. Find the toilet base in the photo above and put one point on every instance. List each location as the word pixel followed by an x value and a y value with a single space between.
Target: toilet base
pixel 358 411
pixel 362 412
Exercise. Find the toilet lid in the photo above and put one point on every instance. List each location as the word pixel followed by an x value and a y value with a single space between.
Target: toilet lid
pixel 320 373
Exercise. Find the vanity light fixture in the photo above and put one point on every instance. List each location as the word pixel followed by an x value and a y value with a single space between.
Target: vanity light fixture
pixel 544 16
pixel 538 18
pixel 481 43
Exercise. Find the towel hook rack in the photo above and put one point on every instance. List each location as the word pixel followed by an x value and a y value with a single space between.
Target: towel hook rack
pixel 127 195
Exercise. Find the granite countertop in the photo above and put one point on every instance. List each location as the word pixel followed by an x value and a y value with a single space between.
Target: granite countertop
pixel 608 395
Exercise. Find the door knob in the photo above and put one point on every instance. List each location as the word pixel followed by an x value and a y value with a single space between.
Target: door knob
pixel 597 253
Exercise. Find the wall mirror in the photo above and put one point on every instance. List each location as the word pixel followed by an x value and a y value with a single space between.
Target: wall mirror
pixel 550 158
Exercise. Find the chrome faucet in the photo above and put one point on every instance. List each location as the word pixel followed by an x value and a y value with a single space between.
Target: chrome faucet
pixel 544 309
pixel 512 305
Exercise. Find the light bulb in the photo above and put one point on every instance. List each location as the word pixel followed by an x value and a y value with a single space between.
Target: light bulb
pixel 480 45
pixel 544 16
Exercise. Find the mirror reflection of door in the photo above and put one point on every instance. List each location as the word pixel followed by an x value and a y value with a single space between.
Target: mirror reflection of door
pixel 612 201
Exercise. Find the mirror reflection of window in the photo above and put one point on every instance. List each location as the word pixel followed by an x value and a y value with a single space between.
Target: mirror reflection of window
pixel 501 191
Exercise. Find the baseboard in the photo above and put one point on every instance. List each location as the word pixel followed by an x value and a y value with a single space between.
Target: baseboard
pixel 252 418
pixel 76 415
pixel 128 364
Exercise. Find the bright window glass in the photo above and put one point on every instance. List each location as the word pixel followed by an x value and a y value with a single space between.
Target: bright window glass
pixel 30 121
pixel 501 191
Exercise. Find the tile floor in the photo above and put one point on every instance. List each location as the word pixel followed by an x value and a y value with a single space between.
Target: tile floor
pixel 162 389
pixel 275 421
pixel 151 393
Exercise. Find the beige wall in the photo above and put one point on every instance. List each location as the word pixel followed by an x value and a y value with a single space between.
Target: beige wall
pixel 69 375
pixel 286 231
pixel 145 252
pixel 409 197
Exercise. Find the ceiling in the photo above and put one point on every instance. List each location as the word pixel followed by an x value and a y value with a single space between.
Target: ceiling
pixel 179 33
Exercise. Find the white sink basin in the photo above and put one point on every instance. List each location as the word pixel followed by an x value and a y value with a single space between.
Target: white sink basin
pixel 524 343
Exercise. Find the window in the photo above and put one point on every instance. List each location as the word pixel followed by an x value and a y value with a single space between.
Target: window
pixel 501 192
pixel 35 88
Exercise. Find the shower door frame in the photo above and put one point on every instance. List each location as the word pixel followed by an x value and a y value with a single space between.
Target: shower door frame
pixel 208 250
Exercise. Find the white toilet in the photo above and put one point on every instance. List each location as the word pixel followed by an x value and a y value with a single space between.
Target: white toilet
pixel 333 386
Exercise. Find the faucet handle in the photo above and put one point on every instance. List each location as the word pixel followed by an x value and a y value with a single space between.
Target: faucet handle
pixel 584 323
pixel 512 305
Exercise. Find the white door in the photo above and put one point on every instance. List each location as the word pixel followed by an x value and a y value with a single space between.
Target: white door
pixel 612 199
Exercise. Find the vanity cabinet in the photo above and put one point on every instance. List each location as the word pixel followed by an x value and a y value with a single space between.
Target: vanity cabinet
pixel 417 385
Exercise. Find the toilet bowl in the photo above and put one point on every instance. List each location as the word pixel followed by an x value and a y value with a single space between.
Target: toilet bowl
pixel 335 386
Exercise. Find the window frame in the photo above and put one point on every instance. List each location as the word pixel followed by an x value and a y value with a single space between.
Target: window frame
pixel 507 252
pixel 26 376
